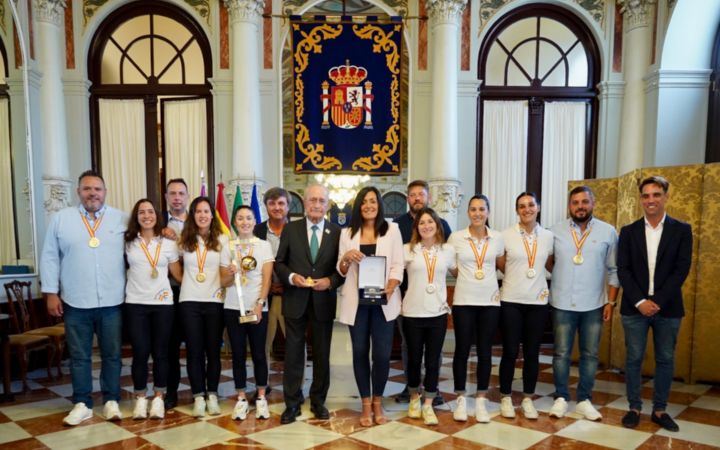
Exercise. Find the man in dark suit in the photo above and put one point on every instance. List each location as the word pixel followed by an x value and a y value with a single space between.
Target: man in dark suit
pixel 654 256
pixel 305 263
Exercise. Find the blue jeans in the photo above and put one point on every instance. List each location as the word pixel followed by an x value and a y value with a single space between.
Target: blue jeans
pixel 588 325
pixel 80 326
pixel 665 331
pixel 371 325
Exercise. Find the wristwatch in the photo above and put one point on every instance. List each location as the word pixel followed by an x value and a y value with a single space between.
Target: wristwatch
pixel 613 304
pixel 261 301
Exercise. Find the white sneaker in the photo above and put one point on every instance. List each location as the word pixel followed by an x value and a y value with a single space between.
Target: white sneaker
pixel 240 411
pixel 212 405
pixel 528 408
pixel 428 415
pixel 414 409
pixel 261 409
pixel 559 408
pixel 587 410
pixel 111 411
pixel 199 406
pixel 460 413
pixel 507 409
pixel 481 414
pixel 140 410
pixel 157 408
pixel 79 413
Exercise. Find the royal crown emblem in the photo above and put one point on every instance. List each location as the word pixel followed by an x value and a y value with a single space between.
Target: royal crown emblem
pixel 347 102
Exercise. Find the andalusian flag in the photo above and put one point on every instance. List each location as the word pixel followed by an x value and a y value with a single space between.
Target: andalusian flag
pixel 236 203
pixel 221 211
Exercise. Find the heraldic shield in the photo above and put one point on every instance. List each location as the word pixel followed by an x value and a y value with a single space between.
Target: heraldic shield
pixel 346 102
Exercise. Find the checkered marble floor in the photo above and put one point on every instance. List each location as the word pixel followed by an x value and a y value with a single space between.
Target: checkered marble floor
pixel 34 419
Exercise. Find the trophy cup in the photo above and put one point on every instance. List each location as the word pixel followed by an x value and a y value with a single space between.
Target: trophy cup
pixel 244 263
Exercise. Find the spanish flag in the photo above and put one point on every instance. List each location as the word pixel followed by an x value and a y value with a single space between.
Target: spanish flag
pixel 221 211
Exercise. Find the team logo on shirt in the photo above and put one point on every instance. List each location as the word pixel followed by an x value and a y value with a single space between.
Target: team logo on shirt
pixel 495 297
pixel 162 295
pixel 220 294
pixel 543 295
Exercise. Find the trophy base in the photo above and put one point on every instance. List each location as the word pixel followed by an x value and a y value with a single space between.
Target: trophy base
pixel 248 318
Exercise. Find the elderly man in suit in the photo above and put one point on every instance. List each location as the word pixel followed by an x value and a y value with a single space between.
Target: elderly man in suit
pixel 654 256
pixel 305 262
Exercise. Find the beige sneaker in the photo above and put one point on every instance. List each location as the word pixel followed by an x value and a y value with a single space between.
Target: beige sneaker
pixel 79 413
pixel 199 407
pixel 587 410
pixel 428 415
pixel 507 409
pixel 241 409
pixel 414 409
pixel 481 414
pixel 157 408
pixel 213 407
pixel 559 408
pixel 141 407
pixel 460 413
pixel 111 411
pixel 528 408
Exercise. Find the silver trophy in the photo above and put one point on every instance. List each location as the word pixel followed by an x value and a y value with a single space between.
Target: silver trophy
pixel 245 317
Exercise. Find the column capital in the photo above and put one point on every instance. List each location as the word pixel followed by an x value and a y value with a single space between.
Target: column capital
pixel 245 10
pixel 636 13
pixel 50 11
pixel 445 197
pixel 445 11
pixel 56 194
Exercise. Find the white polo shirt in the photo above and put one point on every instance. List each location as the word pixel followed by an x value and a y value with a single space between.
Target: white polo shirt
pixel 417 301
pixel 141 288
pixel 469 291
pixel 517 286
pixel 209 290
pixel 263 253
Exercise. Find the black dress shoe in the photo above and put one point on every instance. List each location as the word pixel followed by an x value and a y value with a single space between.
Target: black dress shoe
pixel 403 397
pixel 289 415
pixel 320 412
pixel 438 400
pixel 665 421
pixel 631 419
pixel 170 400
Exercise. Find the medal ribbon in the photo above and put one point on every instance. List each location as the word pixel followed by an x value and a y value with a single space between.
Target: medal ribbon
pixel 153 261
pixel 579 243
pixel 91 230
pixel 201 258
pixel 530 254
pixel 479 258
pixel 430 266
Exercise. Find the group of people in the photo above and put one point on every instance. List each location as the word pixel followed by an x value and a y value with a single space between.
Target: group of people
pixel 501 286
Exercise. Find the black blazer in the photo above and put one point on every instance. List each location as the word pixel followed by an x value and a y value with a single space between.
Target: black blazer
pixel 293 256
pixel 261 230
pixel 671 267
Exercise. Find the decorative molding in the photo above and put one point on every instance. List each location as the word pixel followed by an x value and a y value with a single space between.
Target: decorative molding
pixel 677 79
pixel 202 7
pixel 292 6
pixel 245 10
pixel 596 9
pixel 2 17
pixel 445 11
pixel 56 194
pixel 487 10
pixel 611 89
pixel 636 13
pixel 445 197
pixel 50 11
pixel 78 88
pixel 468 88
pixel 221 86
pixel 89 7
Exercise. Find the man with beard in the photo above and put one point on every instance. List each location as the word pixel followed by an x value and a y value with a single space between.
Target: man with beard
pixel 582 267
pixel 418 197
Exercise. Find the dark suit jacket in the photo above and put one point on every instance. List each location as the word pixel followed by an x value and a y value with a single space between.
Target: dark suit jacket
pixel 261 230
pixel 671 267
pixel 293 256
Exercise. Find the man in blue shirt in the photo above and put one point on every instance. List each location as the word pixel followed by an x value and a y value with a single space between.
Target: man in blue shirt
pixel 583 266
pixel 83 279
pixel 418 197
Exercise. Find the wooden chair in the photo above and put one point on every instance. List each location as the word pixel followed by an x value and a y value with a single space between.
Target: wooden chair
pixel 23 342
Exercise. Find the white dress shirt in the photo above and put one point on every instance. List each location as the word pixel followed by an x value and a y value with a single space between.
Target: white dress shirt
pixel 652 241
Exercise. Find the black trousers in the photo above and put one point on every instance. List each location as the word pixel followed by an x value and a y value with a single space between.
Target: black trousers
pixel 480 323
pixel 424 336
pixel 295 358
pixel 521 324
pixel 177 337
pixel 149 327
pixel 203 327
pixel 239 335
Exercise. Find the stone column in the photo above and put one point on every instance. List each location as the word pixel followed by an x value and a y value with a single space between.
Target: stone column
pixel 445 187
pixel 247 160
pixel 50 35
pixel 637 47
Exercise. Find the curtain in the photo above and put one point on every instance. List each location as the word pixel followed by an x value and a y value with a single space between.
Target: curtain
pixel 504 156
pixel 563 156
pixel 7 220
pixel 185 132
pixel 122 151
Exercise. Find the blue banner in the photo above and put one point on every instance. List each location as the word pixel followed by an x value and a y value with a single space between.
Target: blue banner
pixel 346 96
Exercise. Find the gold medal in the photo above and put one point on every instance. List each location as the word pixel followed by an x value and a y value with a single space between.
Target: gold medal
pixel 430 268
pixel 201 263
pixel 309 281
pixel 579 242
pixel 578 259
pixel 531 254
pixel 153 261
pixel 94 242
pixel 479 258
pixel 531 273
pixel 201 277
pixel 154 273
pixel 479 274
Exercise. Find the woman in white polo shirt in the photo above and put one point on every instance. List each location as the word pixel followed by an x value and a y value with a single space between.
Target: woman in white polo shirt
pixel 149 309
pixel 207 271
pixel 476 303
pixel 253 259
pixel 428 259
pixel 524 301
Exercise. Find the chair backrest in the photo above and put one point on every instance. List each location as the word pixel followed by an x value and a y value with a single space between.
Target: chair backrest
pixel 19 305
